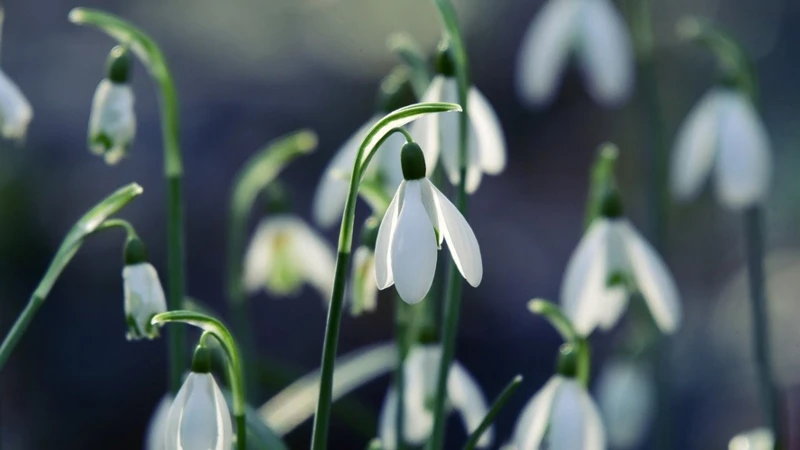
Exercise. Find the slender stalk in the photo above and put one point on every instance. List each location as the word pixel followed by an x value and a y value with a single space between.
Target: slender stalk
pixel 498 404
pixel 754 241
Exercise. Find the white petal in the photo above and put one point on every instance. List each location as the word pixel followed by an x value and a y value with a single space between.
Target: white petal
pixel 364 292
pixel 654 281
pixel 460 238
pixel 449 126
pixel 387 421
pixel 575 421
pixel 627 399
pixel 605 53
pixel 584 286
pixel 545 51
pixel 383 264
pixel 532 423
pixel 420 371
pixel 413 247
pixel 259 257
pixel 695 147
pixel 425 130
pixel 157 427
pixel 467 398
pixel 144 298
pixel 112 122
pixel 331 193
pixel 199 416
pixel 312 257
pixel 488 132
pixel 744 160
pixel 15 111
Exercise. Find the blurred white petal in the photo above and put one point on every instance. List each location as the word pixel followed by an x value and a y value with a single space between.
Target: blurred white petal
pixel 533 421
pixel 466 397
pixel 413 247
pixel 545 51
pixel 259 257
pixel 605 53
pixel 695 147
pixel 425 130
pixel 449 126
pixel 157 427
pixel 574 421
pixel 487 132
pixel 758 439
pixel 387 420
pixel 627 399
pixel 314 258
pixel 15 111
pixel 112 121
pixel 744 160
pixel 363 290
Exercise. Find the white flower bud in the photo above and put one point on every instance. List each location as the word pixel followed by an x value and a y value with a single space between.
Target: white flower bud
pixel 144 298
pixel 199 417
pixel 112 123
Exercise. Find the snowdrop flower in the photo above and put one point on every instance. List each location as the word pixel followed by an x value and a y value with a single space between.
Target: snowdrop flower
pixel 15 111
pixel 144 296
pixel 407 243
pixel 561 416
pixel 758 439
pixel 363 290
pixel 439 133
pixel 420 371
pixel 611 259
pixel 157 428
pixel 627 397
pixel 285 253
pixel 591 30
pixel 112 122
pixel 199 417
pixel 384 170
pixel 723 133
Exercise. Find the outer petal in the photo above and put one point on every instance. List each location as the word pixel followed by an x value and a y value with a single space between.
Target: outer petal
pixel 545 51
pixel 605 53
pixel 575 421
pixel 744 162
pixel 363 291
pixel 695 146
pixel 584 286
pixel 387 420
pixel 654 281
pixel 157 427
pixel 413 247
pixel 112 122
pixel 425 130
pixel 199 416
pixel 488 133
pixel 532 423
pixel 420 370
pixel 259 257
pixel 144 298
pixel 312 256
pixel 467 398
pixel 383 263
pixel 626 395
pixel 331 193
pixel 15 110
pixel 459 235
pixel 449 131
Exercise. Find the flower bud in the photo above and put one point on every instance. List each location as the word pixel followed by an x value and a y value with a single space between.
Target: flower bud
pixel 112 122
pixel 199 417
pixel 144 296
pixel 413 161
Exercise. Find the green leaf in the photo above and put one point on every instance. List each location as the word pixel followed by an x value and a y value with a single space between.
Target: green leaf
pixel 601 181
pixel 295 404
pixel 498 404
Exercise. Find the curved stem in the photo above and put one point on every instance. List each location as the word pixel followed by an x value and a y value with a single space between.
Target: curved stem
pixel 564 326
pixel 130 231
pixel 498 404
pixel 375 137
pixel 88 224
pixel 213 326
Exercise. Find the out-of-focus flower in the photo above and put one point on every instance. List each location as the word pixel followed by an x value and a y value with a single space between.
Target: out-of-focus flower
pixel 723 133
pixel 15 111
pixel 144 296
pixel 420 371
pixel 406 247
pixel 112 122
pixel 285 253
pixel 610 261
pixel 363 290
pixel 758 439
pixel 438 134
pixel 627 397
pixel 157 427
pixel 591 30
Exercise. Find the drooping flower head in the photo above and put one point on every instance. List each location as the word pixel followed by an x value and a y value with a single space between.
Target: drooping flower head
pixel 438 134
pixel 592 31
pixel 407 243
pixel 144 296
pixel 199 417
pixel 561 416
pixel 112 122
pixel 626 394
pixel 420 370
pixel 363 290
pixel 611 261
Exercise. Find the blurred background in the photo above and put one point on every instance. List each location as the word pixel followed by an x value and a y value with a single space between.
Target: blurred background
pixel 249 71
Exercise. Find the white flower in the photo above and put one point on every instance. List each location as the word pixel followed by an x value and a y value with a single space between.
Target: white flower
pixel 612 248
pixel 15 111
pixel 420 372
pixel 627 397
pixel 723 131
pixel 591 30
pixel 439 134
pixel 284 253
pixel 144 298
pixel 199 417
pixel 758 439
pixel 562 415
pixel 157 427
pixel 112 122
pixel 331 193
pixel 363 290
pixel 406 249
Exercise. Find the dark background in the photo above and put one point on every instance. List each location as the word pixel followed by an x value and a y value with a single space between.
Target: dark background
pixel 249 71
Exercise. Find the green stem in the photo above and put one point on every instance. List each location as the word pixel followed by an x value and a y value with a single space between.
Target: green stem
pixel 754 241
pixel 175 280
pixel 130 231
pixel 498 404
pixel 88 224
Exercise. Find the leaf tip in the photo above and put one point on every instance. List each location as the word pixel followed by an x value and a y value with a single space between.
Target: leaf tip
pixel 307 140
pixel 77 15
pixel 537 305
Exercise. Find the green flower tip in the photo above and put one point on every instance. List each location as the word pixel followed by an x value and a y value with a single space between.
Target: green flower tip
pixel 135 333
pixel 135 251
pixel 688 28
pixel 445 65
pixel 369 232
pixel 201 361
pixel 611 204
pixel 118 65
pixel 396 91
pixel 413 161
pixel 567 363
